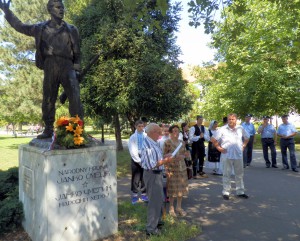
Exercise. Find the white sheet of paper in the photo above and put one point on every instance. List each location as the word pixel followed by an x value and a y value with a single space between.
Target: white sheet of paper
pixel 177 149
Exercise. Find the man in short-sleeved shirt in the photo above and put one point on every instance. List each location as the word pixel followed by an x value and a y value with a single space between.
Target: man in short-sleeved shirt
pixel 268 139
pixel 152 162
pixel 230 141
pixel 286 131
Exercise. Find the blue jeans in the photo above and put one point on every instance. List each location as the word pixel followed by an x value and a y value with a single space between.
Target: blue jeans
pixel 288 144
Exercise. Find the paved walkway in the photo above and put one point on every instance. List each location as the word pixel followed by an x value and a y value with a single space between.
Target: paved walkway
pixel 272 213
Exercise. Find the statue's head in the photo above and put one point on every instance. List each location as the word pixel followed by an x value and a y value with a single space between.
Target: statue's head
pixel 51 3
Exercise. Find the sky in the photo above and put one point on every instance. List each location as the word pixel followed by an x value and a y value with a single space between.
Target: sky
pixel 193 42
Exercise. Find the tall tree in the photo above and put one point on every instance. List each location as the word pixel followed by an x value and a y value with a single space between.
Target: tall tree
pixel 260 47
pixel 138 73
pixel 21 81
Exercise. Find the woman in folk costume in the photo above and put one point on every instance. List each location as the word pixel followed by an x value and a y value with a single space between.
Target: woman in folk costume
pixel 213 154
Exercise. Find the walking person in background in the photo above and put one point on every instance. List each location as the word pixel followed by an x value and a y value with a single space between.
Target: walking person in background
pixel 213 155
pixel 197 135
pixel 152 162
pixel 135 145
pixel 177 181
pixel 247 153
pixel 268 140
pixel 230 141
pixel 287 131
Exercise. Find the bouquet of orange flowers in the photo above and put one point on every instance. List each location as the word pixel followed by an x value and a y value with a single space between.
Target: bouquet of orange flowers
pixel 70 132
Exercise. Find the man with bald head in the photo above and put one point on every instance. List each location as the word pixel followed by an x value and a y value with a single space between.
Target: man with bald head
pixel 57 54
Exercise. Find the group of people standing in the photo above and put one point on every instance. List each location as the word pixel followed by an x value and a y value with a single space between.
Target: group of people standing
pixel 159 151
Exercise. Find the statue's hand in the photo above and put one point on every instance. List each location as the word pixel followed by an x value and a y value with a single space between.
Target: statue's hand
pixel 4 5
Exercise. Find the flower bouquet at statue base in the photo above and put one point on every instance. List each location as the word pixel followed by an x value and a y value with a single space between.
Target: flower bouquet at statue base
pixel 70 132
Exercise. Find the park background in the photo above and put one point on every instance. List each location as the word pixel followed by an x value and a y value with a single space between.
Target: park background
pixel 252 66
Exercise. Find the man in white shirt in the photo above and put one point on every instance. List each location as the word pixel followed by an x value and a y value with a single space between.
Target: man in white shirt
pixel 230 140
pixel 135 145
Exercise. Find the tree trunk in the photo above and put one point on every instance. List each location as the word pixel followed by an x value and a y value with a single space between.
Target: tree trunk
pixel 118 133
pixel 102 129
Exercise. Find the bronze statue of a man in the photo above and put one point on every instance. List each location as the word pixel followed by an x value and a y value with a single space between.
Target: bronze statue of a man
pixel 58 55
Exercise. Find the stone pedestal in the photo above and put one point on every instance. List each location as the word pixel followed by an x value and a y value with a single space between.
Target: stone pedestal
pixel 68 195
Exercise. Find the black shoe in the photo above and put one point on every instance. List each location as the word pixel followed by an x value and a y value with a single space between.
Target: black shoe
pixel 45 135
pixel 274 166
pixel 160 224
pixel 295 170
pixel 226 197
pixel 268 165
pixel 285 168
pixel 154 233
pixel 243 196
pixel 248 164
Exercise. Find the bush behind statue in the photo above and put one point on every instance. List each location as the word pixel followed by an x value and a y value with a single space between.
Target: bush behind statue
pixel 11 209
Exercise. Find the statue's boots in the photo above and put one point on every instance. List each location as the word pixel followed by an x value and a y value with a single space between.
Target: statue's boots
pixel 47 133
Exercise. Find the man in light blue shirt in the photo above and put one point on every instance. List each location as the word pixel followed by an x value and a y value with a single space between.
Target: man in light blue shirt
pixel 247 153
pixel 286 131
pixel 230 140
pixel 268 139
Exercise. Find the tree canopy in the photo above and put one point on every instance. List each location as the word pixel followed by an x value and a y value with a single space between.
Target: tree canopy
pixel 259 48
pixel 138 73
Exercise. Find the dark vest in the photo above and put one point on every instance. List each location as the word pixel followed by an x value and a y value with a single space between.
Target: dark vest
pixel 198 132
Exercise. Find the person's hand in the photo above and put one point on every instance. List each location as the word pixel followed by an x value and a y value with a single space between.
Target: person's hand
pixel 179 157
pixel 169 158
pixel 221 149
pixel 4 5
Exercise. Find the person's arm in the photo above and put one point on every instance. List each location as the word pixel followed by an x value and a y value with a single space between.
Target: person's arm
pixel 206 134
pixel 217 145
pixel 246 137
pixel 254 132
pixel 274 135
pixel 14 21
pixel 192 136
pixel 133 149
pixel 75 47
pixel 168 158
pixel 260 129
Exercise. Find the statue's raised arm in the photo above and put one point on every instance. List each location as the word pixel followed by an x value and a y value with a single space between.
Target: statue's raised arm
pixel 4 5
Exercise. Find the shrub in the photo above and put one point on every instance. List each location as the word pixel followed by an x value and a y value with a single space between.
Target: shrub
pixel 11 209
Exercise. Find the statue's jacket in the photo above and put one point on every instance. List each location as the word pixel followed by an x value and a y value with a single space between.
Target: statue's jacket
pixel 36 30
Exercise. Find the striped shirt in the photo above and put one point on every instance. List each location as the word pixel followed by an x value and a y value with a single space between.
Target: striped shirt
pixel 151 154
